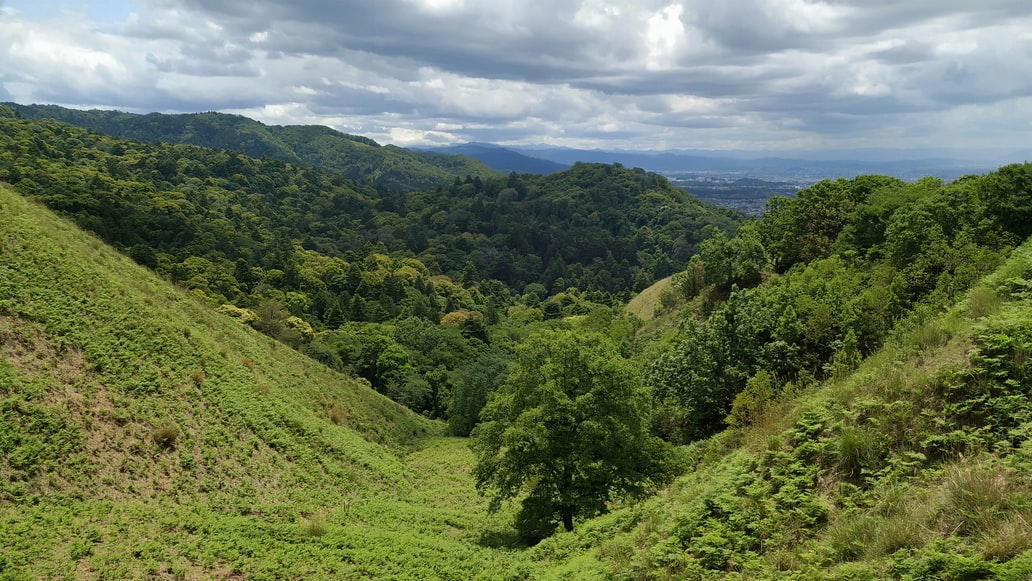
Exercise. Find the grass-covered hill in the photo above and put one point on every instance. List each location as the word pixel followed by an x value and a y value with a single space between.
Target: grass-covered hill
pixel 357 157
pixel 916 465
pixel 143 435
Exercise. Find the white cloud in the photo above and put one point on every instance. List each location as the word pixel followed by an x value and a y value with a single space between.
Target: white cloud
pixel 598 15
pixel 662 36
pixel 587 73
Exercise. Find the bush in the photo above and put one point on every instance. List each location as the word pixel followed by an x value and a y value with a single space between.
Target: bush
pixel 859 449
pixel 243 316
pixel 338 415
pixel 165 436
pixel 750 404
pixel 983 301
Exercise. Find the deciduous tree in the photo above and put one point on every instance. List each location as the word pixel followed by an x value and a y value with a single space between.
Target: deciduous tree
pixel 569 430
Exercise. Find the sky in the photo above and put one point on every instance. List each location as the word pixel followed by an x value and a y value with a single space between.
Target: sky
pixel 836 76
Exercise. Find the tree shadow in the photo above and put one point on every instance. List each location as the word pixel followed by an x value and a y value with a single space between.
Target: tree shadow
pixel 501 539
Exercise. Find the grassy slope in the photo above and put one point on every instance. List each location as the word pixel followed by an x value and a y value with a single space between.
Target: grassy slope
pixel 279 467
pixel 917 465
pixel 644 304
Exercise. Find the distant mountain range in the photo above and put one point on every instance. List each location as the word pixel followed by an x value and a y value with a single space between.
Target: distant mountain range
pixel 730 164
pixel 699 164
pixel 739 180
pixel 503 159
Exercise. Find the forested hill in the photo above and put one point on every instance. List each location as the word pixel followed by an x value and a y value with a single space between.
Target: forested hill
pixel 298 251
pixel 357 157
pixel 595 227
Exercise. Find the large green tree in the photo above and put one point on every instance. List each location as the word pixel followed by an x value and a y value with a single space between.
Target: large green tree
pixel 569 430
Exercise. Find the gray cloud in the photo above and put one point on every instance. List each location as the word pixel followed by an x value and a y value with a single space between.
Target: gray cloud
pixel 748 74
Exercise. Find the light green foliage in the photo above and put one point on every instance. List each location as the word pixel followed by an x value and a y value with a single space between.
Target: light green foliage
pixel 750 404
pixel 243 316
pixel 568 429
pixel 726 263
pixel 300 327
pixel 98 363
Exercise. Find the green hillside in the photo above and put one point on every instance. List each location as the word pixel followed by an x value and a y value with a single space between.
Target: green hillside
pixel 917 465
pixel 842 385
pixel 357 157
pixel 144 435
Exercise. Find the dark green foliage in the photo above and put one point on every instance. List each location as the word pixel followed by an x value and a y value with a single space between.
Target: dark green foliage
pixel 805 228
pixel 902 246
pixel 474 382
pixel 593 227
pixel 568 428
pixel 1007 195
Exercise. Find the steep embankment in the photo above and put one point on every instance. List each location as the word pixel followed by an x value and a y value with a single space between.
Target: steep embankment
pixel 918 466
pixel 142 434
pixel 645 304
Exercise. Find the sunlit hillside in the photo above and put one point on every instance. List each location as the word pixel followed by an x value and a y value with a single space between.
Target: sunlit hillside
pixel 145 435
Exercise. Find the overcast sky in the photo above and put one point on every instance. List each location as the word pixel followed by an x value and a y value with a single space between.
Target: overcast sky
pixel 839 75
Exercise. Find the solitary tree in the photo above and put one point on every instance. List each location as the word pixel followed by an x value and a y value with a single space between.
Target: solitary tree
pixel 569 430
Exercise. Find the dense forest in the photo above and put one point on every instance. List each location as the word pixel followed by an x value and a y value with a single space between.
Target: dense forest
pixel 342 268
pixel 800 369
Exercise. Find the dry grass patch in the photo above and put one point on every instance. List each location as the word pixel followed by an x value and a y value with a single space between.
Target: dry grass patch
pixel 645 303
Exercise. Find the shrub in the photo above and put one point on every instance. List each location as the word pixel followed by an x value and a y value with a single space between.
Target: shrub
pixel 165 436
pixel 338 415
pixel 315 527
pixel 243 316
pixel 983 301
pixel 750 404
pixel 859 449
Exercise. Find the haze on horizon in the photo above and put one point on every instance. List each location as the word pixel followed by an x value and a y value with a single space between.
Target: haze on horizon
pixel 931 77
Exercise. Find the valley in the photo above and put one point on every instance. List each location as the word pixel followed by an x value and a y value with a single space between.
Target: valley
pixel 290 365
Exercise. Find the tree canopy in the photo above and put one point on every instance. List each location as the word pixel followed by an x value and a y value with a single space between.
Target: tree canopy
pixel 569 428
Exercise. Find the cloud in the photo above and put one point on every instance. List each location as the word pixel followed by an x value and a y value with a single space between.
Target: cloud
pixel 591 73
